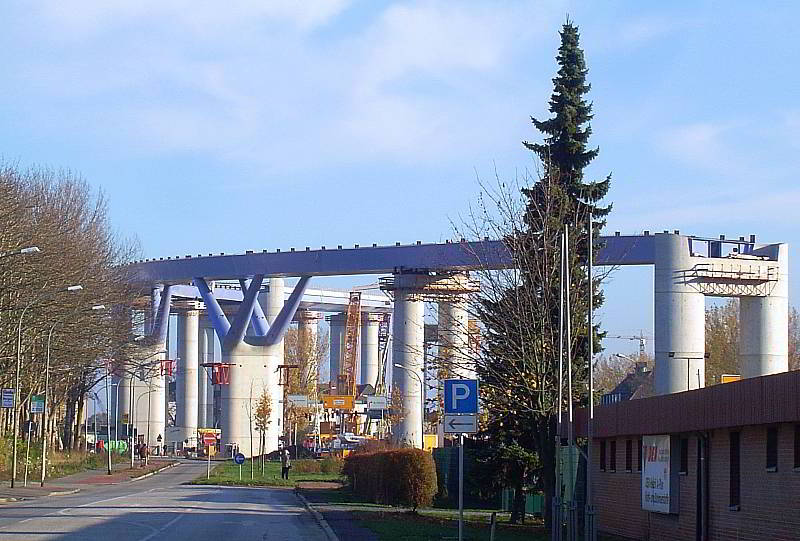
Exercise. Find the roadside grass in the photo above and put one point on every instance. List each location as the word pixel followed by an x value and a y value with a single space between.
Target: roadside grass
pixel 228 474
pixel 59 463
pixel 399 526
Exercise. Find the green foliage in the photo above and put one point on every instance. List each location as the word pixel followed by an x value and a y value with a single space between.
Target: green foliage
pixel 564 152
pixel 519 369
pixel 394 477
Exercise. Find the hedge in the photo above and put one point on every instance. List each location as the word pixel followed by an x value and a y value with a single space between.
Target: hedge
pixel 395 477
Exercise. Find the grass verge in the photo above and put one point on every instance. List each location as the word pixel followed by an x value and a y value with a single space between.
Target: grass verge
pixel 398 526
pixel 228 474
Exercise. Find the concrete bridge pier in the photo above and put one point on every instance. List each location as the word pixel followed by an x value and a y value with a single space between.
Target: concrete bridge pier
pixel 253 360
pixel 186 379
pixel 370 360
pixel 408 329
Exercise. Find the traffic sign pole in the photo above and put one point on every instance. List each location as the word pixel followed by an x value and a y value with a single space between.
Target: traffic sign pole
pixel 208 467
pixel 461 487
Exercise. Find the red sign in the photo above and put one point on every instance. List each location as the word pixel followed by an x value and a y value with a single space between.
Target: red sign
pixel 209 438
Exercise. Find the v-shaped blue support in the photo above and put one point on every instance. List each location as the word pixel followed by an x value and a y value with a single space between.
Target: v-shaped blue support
pixel 259 320
pixel 232 333
pixel 284 317
pixel 158 330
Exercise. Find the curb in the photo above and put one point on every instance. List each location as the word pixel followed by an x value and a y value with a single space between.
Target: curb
pixel 318 517
pixel 146 475
pixel 64 492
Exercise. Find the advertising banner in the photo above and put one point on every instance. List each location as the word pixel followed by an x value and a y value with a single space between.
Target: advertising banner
pixel 656 473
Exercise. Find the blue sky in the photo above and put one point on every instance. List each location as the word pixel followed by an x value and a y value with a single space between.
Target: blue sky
pixel 324 122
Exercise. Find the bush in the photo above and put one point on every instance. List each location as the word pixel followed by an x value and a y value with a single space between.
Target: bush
pixel 395 477
pixel 327 465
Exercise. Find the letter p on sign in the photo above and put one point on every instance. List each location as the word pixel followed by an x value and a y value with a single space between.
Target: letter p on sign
pixel 461 396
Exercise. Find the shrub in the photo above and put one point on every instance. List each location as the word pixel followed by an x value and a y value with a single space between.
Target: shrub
pixel 395 477
pixel 327 465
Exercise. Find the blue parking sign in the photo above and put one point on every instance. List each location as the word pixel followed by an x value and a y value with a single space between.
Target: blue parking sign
pixel 461 396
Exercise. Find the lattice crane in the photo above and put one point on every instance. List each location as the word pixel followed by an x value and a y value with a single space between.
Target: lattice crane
pixel 346 381
pixel 642 339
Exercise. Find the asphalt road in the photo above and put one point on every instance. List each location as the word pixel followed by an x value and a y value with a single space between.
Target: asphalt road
pixel 162 507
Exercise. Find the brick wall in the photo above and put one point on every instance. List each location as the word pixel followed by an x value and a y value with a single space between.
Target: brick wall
pixel 770 501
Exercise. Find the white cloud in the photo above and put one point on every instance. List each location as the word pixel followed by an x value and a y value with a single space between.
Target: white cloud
pixel 88 17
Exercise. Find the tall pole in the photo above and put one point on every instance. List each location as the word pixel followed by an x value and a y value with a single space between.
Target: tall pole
pixel 149 411
pixel 86 423
pixel 108 417
pixel 116 413
pixel 557 521
pixel 15 426
pixel 590 533
pixel 461 487
pixel 572 523
pixel 131 406
pixel 44 413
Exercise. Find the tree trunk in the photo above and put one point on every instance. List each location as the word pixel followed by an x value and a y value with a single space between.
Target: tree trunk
pixel 78 416
pixel 518 507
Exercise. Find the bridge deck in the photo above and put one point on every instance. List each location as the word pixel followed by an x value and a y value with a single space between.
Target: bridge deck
pixel 451 256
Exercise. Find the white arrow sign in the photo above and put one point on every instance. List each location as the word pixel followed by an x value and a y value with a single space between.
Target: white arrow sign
pixel 460 424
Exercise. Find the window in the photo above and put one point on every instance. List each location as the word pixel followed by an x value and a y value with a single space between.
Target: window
pixel 735 471
pixel 639 461
pixel 797 447
pixel 684 456
pixel 613 461
pixel 628 455
pixel 603 455
pixel 772 448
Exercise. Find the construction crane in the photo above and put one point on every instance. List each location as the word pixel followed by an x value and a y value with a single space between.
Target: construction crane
pixel 383 349
pixel 346 381
pixel 642 339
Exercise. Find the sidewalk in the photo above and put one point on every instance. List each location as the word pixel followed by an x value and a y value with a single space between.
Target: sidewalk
pixel 70 484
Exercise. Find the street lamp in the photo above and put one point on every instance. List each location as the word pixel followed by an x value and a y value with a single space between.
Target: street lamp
pixel 22 251
pixel 46 387
pixel 16 377
pixel 422 400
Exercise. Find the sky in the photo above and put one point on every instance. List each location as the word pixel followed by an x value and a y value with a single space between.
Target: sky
pixel 264 125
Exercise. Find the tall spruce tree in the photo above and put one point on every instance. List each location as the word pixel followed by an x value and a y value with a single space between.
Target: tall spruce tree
pixel 519 366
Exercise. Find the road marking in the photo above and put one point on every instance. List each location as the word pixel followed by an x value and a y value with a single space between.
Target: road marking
pixel 167 525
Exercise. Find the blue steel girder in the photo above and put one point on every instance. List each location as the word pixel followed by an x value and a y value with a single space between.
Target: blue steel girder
pixel 451 256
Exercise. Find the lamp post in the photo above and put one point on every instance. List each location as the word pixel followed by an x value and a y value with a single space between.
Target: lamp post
pixel 46 387
pixel 422 400
pixel 133 406
pixel 17 375
pixel 21 251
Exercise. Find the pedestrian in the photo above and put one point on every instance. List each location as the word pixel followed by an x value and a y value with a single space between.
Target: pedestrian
pixel 286 464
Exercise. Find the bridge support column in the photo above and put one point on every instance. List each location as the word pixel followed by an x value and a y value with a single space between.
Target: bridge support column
pixel 338 327
pixel 764 326
pixel 679 318
pixel 370 360
pixel 186 384
pixel 453 329
pixel 203 380
pixel 307 346
pixel 408 329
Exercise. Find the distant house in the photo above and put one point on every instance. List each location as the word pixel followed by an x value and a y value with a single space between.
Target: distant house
pixel 637 384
